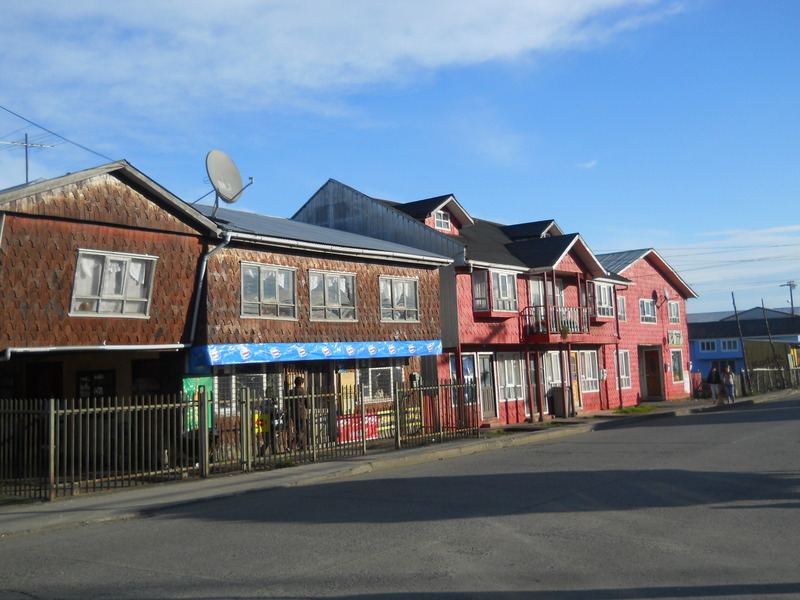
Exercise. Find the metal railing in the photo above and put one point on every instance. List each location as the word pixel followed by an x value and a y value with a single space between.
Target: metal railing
pixel 57 448
pixel 563 320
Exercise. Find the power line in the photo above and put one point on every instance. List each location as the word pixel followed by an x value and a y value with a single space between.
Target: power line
pixel 81 146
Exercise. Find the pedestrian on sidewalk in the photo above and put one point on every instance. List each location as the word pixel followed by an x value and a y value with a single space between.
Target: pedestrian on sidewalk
pixel 729 383
pixel 715 383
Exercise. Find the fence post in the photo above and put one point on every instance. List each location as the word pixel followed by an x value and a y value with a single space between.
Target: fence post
pixel 363 420
pixel 397 424
pixel 246 428
pixel 312 417
pixel 51 447
pixel 202 434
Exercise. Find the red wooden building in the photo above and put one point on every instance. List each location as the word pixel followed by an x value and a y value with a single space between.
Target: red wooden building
pixel 529 313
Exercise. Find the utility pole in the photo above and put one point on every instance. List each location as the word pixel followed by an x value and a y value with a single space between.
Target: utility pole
pixel 791 285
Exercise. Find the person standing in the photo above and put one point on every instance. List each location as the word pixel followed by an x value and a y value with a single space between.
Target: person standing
pixel 715 383
pixel 729 383
pixel 298 410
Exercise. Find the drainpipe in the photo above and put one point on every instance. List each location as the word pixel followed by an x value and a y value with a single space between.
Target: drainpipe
pixel 226 239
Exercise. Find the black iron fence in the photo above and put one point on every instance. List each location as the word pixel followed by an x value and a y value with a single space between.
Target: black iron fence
pixel 56 448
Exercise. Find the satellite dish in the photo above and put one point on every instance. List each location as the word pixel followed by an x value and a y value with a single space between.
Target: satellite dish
pixel 224 176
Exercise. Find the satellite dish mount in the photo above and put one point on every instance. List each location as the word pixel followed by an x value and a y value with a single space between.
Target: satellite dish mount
pixel 225 177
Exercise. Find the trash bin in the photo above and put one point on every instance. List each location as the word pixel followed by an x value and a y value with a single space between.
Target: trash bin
pixel 560 397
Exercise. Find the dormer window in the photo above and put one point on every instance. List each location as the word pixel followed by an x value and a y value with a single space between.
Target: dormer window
pixel 441 220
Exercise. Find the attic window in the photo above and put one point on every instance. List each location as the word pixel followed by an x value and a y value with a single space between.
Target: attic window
pixel 441 220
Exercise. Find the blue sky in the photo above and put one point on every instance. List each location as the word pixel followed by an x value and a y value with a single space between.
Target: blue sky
pixel 638 123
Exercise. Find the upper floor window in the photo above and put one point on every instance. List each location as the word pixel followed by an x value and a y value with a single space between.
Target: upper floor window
pixel 111 284
pixel 729 345
pixel 504 291
pixel 674 311
pixel 604 297
pixel 268 291
pixel 332 296
pixel 647 310
pixel 441 220
pixel 399 299
pixel 622 310
pixel 708 345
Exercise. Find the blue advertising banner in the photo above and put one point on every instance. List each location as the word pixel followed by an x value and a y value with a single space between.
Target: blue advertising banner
pixel 237 354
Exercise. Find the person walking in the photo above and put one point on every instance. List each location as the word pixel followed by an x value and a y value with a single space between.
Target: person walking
pixel 729 383
pixel 715 384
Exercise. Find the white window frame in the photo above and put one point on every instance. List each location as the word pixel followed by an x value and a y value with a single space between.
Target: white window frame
pixel 647 311
pixel 676 355
pixel 332 307
pixel 708 345
pixel 283 305
pixel 399 298
pixel 589 373
pixel 373 389
pixel 504 291
pixel 96 292
pixel 441 220
pixel 623 365
pixel 622 309
pixel 510 377
pixel 729 345
pixel 604 299
pixel 674 309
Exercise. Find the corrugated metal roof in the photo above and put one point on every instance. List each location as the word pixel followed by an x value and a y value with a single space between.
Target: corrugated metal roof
pixel 616 262
pixel 237 221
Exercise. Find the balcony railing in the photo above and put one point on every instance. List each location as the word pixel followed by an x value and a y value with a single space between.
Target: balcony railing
pixel 562 320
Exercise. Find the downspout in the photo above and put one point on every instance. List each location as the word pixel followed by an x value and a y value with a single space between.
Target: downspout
pixel 201 276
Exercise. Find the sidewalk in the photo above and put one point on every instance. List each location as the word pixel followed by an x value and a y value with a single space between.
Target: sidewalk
pixel 18 519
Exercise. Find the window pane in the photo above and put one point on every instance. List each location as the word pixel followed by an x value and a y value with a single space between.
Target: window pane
pixel 87 277
pixel 249 284
pixel 269 286
pixel 316 290
pixel 114 277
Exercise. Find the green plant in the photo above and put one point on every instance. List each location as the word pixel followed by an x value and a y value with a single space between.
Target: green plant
pixel 632 410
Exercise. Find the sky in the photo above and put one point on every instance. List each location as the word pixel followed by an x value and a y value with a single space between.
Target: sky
pixel 663 124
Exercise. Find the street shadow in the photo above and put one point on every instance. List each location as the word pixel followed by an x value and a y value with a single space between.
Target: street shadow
pixel 741 411
pixel 421 499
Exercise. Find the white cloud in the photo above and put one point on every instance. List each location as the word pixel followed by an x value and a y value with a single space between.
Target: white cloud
pixel 186 57
pixel 588 165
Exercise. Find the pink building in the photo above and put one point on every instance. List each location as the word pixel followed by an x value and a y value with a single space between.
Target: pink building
pixel 529 313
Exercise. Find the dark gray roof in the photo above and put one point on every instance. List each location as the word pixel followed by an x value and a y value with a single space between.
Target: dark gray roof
pixel 750 328
pixel 486 243
pixel 542 253
pixel 237 221
pixel 527 231
pixel 420 208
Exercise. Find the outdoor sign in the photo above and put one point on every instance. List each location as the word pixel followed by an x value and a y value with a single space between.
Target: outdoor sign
pixel 236 354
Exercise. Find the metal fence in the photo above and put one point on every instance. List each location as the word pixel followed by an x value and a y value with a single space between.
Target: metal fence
pixel 57 448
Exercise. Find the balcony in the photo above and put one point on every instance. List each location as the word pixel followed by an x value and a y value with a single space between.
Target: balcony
pixel 561 321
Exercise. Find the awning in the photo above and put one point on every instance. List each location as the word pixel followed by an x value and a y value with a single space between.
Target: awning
pixel 238 354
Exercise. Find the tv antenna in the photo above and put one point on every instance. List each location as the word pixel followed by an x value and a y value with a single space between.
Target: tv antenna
pixel 225 178
pixel 27 145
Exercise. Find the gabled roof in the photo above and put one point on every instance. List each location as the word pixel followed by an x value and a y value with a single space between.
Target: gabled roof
pixel 422 209
pixel 124 171
pixel 618 262
pixel 283 232
pixel 532 230
pixel 544 254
